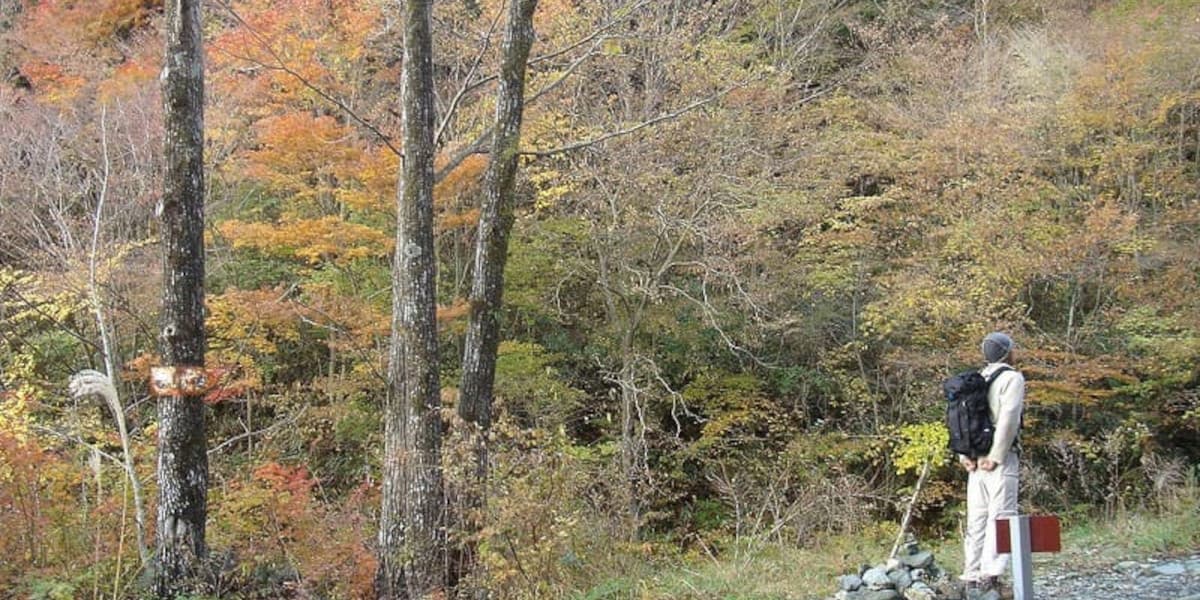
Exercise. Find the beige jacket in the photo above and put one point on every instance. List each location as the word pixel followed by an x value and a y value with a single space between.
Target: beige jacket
pixel 1006 399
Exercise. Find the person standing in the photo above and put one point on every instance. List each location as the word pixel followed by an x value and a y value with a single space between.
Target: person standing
pixel 993 478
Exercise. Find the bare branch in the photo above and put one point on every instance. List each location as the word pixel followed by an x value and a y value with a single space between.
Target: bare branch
pixel 628 130
pixel 467 86
pixel 622 14
pixel 478 146
pixel 237 438
pixel 78 440
pixel 475 147
pixel 570 70
pixel 36 307
pixel 480 143
pixel 710 315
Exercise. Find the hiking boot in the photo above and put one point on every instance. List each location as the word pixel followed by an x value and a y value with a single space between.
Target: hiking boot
pixel 1005 591
pixel 984 589
pixel 951 590
pixel 978 593
pixel 1002 590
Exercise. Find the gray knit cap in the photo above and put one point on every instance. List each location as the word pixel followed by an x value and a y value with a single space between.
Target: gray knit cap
pixel 996 346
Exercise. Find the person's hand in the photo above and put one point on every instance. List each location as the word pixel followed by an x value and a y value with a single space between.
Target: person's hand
pixel 966 463
pixel 987 464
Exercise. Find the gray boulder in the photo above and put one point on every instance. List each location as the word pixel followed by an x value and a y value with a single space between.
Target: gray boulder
pixel 901 579
pixel 877 579
pixel 919 560
pixel 882 595
pixel 850 583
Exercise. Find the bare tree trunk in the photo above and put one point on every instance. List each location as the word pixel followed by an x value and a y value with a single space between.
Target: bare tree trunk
pixel 491 253
pixel 625 314
pixel 633 440
pixel 412 536
pixel 182 451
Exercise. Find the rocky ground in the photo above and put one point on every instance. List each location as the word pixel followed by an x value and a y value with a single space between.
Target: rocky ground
pixel 914 575
pixel 1146 579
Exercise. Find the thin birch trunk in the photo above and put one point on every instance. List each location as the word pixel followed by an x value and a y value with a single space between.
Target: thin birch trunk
pixel 106 346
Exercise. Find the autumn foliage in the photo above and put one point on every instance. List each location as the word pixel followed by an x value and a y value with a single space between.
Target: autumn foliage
pixel 723 330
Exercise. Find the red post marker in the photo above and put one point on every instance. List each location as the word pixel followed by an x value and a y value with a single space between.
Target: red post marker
pixel 1045 534
pixel 1021 536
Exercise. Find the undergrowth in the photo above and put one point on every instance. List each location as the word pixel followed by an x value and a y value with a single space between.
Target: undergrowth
pixel 775 571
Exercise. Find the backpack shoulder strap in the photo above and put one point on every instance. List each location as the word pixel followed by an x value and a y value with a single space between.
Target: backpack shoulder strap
pixel 1016 445
pixel 997 374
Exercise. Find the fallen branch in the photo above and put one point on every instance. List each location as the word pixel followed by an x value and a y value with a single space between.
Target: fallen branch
pixel 908 511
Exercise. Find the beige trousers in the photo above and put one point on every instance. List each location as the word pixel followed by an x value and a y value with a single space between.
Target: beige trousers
pixel 990 494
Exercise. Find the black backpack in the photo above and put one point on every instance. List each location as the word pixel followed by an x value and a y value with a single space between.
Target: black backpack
pixel 967 415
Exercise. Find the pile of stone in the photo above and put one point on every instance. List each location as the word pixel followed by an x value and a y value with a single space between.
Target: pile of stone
pixel 912 575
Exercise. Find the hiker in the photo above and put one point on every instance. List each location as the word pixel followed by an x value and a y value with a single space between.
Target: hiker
pixel 992 477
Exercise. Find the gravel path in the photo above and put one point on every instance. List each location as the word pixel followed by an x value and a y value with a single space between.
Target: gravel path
pixel 1148 579
pixel 1076 574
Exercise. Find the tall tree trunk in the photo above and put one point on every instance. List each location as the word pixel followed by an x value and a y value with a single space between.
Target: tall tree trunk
pixel 182 445
pixel 412 537
pixel 491 252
